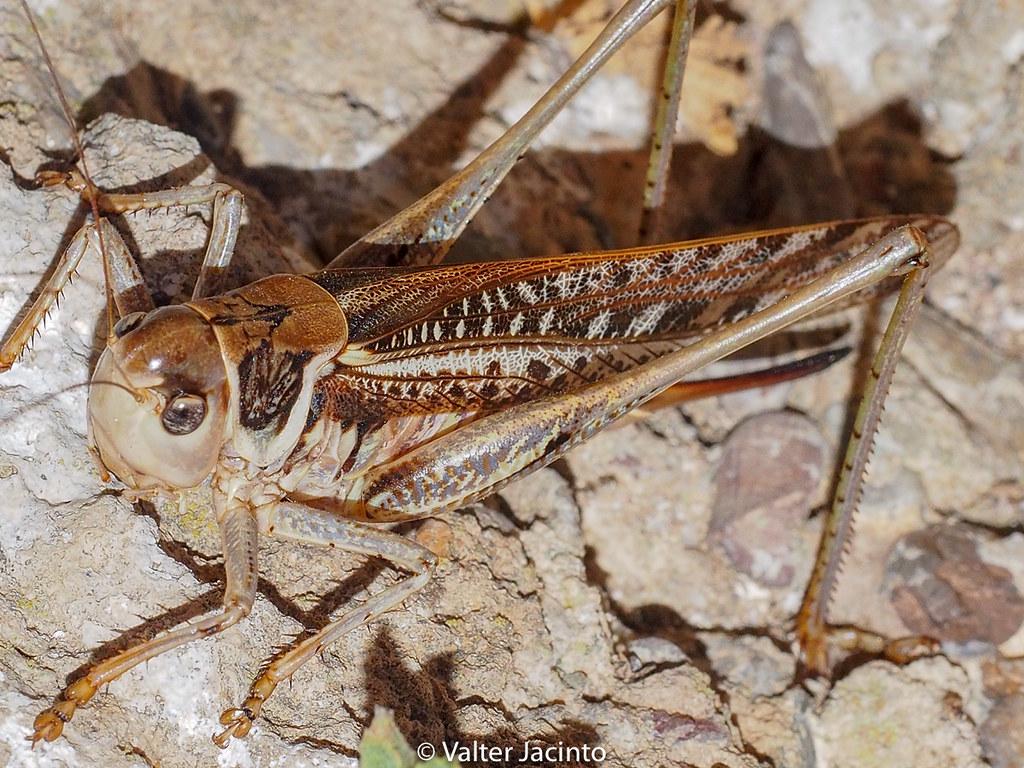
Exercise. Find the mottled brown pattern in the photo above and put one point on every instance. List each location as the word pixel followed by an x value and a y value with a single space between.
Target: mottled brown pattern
pixel 486 378
pixel 443 339
pixel 594 297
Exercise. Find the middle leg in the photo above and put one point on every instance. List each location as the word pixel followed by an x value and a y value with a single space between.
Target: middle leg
pixel 297 522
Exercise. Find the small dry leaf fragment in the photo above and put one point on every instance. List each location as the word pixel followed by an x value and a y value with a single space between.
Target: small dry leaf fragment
pixel 715 86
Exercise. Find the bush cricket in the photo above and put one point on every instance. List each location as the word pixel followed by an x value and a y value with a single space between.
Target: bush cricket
pixel 389 387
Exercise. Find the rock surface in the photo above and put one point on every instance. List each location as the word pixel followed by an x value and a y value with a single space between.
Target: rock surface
pixel 620 598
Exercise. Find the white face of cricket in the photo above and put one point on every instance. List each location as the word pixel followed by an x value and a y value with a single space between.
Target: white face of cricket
pixel 158 403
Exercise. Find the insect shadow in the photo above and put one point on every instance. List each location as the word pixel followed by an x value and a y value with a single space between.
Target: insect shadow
pixel 554 200
pixel 425 706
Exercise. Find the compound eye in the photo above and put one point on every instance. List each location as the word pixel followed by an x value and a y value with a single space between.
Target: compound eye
pixel 183 414
pixel 128 323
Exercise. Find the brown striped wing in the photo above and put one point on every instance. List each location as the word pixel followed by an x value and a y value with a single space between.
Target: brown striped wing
pixel 478 337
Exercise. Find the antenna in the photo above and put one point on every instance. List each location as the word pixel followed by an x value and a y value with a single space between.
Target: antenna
pixel 90 192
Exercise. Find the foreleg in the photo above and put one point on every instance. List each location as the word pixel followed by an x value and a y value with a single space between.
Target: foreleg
pixel 129 291
pixel 228 205
pixel 238 534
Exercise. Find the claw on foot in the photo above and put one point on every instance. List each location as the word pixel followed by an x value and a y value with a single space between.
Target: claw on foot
pixel 812 641
pixel 907 649
pixel 815 643
pixel 71 179
pixel 49 724
pixel 239 720
pixel 52 178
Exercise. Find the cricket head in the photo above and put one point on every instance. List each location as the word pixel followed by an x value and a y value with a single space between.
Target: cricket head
pixel 158 402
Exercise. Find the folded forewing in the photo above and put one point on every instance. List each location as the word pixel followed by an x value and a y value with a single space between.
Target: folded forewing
pixel 478 337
